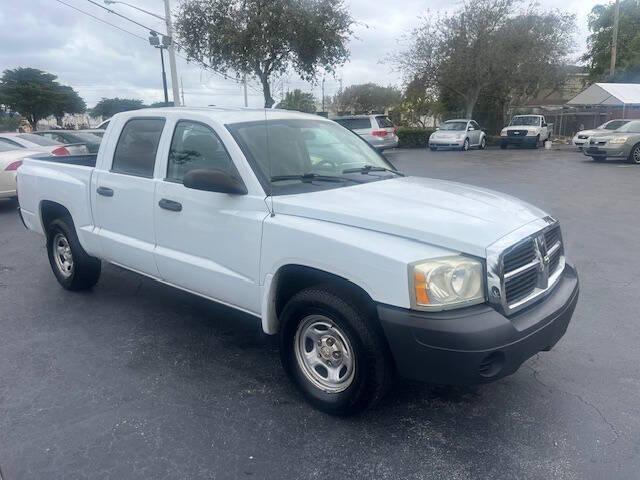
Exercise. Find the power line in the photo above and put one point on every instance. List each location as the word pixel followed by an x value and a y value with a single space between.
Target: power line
pixel 101 20
pixel 123 16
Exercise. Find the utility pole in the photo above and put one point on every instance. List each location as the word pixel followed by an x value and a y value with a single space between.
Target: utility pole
pixel 244 87
pixel 161 44
pixel 182 91
pixel 614 44
pixel 323 93
pixel 172 55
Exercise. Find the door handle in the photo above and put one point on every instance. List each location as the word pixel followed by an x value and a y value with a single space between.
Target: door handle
pixel 170 205
pixel 105 191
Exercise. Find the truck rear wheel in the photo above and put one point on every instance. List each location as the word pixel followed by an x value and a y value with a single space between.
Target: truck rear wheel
pixel 333 352
pixel 74 268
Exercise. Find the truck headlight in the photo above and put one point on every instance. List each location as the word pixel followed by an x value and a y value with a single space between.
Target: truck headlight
pixel 503 132
pixel 531 132
pixel 619 140
pixel 447 282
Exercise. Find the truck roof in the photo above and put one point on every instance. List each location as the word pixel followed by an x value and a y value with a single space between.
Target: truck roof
pixel 225 115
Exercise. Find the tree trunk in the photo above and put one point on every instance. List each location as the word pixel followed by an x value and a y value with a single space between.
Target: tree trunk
pixel 470 102
pixel 266 90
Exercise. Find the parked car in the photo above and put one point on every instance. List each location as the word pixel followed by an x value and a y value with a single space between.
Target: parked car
pixel 42 144
pixel 361 271
pixel 10 159
pixel 582 136
pixel 103 125
pixel 378 130
pixel 526 130
pixel 461 134
pixel 623 143
pixel 91 141
pixel 95 131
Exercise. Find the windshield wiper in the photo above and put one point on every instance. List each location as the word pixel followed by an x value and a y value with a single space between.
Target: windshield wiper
pixel 372 168
pixel 310 177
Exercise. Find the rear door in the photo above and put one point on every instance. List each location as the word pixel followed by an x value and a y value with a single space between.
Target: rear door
pixel 207 242
pixel 124 197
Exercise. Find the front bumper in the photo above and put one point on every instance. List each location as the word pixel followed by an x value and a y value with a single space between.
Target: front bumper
pixel 446 142
pixel 519 140
pixel 476 344
pixel 621 150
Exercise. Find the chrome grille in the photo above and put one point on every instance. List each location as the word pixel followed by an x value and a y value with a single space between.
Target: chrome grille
pixel 525 265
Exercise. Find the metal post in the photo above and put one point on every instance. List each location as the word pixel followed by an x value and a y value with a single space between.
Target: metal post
pixel 164 78
pixel 172 56
pixel 244 85
pixel 323 93
pixel 614 44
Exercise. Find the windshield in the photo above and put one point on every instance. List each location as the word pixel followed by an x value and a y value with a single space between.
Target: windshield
pixel 613 124
pixel 5 147
pixel 301 147
pixel 631 127
pixel 38 140
pixel 526 120
pixel 87 137
pixel 455 126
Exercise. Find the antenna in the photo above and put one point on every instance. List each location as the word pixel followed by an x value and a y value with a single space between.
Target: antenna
pixel 266 126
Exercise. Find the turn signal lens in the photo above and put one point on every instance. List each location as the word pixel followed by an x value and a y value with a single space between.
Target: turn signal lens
pixel 420 285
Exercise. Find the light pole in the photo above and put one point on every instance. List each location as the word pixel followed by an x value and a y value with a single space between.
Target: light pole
pixel 170 47
pixel 155 42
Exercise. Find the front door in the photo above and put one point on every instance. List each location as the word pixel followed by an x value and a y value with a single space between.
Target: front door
pixel 124 197
pixel 207 242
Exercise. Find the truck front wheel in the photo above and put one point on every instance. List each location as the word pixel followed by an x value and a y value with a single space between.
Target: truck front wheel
pixel 74 268
pixel 333 352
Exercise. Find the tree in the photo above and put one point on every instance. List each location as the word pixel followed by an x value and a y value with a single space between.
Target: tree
pixel 67 102
pixel 598 56
pixel 265 38
pixel 368 97
pixel 31 92
pixel 298 100
pixel 487 45
pixel 108 107
pixel 419 100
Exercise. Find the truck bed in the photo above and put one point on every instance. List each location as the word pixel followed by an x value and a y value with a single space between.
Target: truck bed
pixel 88 160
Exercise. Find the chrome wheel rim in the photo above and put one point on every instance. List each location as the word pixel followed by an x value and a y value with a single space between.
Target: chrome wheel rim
pixel 324 354
pixel 466 145
pixel 62 255
pixel 636 155
pixel 483 144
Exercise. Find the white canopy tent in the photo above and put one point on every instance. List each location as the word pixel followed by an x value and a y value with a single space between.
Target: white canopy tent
pixel 622 95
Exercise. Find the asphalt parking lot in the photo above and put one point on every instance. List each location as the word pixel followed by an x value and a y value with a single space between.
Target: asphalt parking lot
pixel 136 380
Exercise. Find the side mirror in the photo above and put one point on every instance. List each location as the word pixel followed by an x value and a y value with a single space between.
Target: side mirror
pixel 544 124
pixel 214 181
pixel 471 129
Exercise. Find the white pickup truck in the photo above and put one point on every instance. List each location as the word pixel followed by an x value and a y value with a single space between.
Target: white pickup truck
pixel 526 130
pixel 362 272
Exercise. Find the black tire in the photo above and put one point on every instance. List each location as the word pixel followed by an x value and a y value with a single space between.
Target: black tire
pixel 483 144
pixel 503 146
pixel 373 367
pixel 465 145
pixel 634 155
pixel 537 144
pixel 599 159
pixel 84 271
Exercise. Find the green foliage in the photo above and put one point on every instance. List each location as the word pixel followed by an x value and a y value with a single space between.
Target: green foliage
pixel 298 100
pixel 10 123
pixel 409 137
pixel 490 46
pixel 108 107
pixel 264 39
pixel 598 56
pixel 36 95
pixel 367 98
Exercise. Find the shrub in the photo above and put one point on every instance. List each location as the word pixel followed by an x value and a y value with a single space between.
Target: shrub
pixel 9 124
pixel 410 137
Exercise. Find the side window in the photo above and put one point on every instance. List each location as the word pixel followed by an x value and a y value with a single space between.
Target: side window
pixel 6 141
pixel 137 146
pixel 475 125
pixel 196 146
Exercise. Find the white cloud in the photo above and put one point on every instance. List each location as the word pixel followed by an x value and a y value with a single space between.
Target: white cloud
pixel 101 61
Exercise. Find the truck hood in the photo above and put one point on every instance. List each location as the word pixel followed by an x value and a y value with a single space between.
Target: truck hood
pixel 447 214
pixel 522 127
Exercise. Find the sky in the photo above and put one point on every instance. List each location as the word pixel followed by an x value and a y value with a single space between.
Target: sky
pixel 99 60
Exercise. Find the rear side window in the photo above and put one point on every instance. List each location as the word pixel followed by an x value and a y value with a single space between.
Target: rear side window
pixel 196 147
pixel 137 147
pixel 355 123
pixel 384 122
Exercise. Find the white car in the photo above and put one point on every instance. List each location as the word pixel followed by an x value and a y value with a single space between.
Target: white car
pixel 42 144
pixel 582 136
pixel 362 271
pixel 10 159
pixel 459 134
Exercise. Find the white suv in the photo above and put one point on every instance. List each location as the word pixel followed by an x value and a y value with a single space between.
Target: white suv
pixel 378 130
